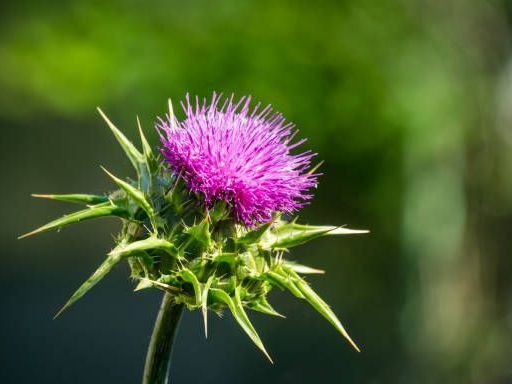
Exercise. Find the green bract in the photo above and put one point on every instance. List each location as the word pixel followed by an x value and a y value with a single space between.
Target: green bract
pixel 203 258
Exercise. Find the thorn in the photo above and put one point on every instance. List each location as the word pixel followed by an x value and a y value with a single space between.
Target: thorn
pixel 143 284
pixel 139 126
pixel 353 344
pixel 171 109
pixel 27 234
pixel 107 172
pixel 42 196
pixel 345 334
pixel 172 118
pixel 159 284
pixel 267 355
pixel 205 320
pixel 346 231
pixel 104 116
pixel 60 311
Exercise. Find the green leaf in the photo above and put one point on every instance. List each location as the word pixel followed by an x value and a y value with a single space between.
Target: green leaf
pixel 92 212
pixel 322 307
pixel 78 198
pixel 235 306
pixel 292 234
pixel 136 158
pixel 104 268
pixel 188 276
pixel 219 212
pixel 254 236
pixel 137 196
pixel 140 246
pixel 283 282
pixel 149 164
pixel 200 232
pixel 228 258
pixel 262 305
pixel 148 151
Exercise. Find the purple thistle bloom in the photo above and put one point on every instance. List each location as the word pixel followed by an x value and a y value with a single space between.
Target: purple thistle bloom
pixel 232 153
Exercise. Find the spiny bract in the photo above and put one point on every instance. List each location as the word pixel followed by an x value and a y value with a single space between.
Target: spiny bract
pixel 201 252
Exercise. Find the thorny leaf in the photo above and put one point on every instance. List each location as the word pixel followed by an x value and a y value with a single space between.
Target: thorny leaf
pixel 78 198
pixel 92 212
pixel 137 196
pixel 289 235
pixel 236 308
pixel 100 273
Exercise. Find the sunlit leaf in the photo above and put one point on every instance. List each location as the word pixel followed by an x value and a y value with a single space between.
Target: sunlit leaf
pixel 321 306
pixel 148 151
pixel 104 269
pixel 136 158
pixel 254 235
pixel 188 276
pixel 262 305
pixel 283 282
pixel 137 196
pixel 236 308
pixel 93 212
pixel 289 235
pixel 78 198
pixel 140 246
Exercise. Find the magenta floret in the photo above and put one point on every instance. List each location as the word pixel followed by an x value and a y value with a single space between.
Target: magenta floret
pixel 227 151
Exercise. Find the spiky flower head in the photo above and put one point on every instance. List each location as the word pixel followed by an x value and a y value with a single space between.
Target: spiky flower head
pixel 191 222
pixel 226 151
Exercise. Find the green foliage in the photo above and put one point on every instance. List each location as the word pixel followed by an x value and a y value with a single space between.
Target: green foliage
pixel 103 269
pixel 77 198
pixel 202 257
pixel 100 210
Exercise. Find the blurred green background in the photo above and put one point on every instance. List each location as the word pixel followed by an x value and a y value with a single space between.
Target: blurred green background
pixel 408 102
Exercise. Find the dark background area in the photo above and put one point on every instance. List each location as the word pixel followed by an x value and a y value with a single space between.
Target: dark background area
pixel 408 102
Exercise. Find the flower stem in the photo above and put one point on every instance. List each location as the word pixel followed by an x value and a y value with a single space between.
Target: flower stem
pixel 158 358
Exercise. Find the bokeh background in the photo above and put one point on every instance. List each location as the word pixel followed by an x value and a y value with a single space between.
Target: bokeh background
pixel 408 102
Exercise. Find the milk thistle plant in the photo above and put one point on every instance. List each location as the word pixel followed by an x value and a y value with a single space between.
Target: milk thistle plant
pixel 205 219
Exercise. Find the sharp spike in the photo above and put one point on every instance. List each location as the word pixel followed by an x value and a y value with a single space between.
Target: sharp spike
pixel 204 310
pixel 172 117
pixel 133 154
pixel 99 274
pixel 79 198
pixel 148 152
pixel 100 210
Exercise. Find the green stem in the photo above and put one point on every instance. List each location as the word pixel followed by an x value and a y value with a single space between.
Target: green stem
pixel 158 358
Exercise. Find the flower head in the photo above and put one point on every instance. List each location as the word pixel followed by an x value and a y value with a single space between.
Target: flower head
pixel 226 151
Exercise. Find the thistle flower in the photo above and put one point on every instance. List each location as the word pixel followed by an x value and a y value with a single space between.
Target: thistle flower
pixel 178 232
pixel 226 151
